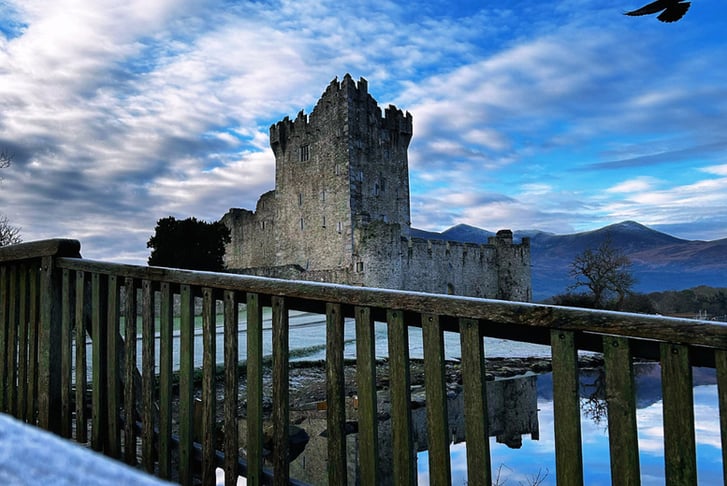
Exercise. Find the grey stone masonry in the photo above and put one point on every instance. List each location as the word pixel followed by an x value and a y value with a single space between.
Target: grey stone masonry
pixel 340 210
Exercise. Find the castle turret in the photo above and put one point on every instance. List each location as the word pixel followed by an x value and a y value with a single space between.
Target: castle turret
pixel 343 165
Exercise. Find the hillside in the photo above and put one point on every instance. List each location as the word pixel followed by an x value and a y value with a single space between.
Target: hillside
pixel 660 261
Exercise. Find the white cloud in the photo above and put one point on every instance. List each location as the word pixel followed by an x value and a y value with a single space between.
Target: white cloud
pixel 720 170
pixel 639 184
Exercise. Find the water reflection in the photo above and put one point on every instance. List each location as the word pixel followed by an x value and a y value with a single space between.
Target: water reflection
pixel 520 417
pixel 512 413
pixel 535 460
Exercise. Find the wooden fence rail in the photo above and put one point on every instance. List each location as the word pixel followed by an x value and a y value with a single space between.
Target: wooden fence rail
pixel 131 402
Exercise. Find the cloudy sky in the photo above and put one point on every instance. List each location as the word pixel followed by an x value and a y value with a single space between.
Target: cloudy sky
pixel 560 116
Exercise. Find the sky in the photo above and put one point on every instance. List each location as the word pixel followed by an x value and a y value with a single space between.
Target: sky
pixel 560 116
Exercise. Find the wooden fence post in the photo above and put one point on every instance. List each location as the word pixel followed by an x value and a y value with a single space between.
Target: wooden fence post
pixel 49 338
pixel 566 409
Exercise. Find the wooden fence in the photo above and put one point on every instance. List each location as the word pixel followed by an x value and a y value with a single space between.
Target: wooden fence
pixel 52 302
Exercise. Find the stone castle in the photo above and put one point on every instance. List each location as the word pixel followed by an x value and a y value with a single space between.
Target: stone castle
pixel 340 210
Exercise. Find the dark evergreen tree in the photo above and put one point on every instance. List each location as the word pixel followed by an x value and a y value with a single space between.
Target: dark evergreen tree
pixel 188 243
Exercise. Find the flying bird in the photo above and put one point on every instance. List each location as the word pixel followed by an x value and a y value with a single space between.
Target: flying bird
pixel 673 10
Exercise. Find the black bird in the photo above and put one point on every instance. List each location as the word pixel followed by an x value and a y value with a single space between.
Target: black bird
pixel 673 10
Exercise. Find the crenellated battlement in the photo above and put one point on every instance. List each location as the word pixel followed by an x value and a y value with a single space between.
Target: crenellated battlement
pixel 338 98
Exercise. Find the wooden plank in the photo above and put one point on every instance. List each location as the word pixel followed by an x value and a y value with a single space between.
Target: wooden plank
pixel 404 460
pixel 81 372
pixel 281 406
pixel 440 470
pixel 254 390
pixel 43 248
pixel 186 384
pixel 67 300
pixel 720 358
pixel 113 349
pixel 232 387
pixel 99 373
pixel 479 468
pixel 33 341
pixel 621 400
pixel 209 391
pixel 166 340
pixel 336 396
pixel 680 456
pixel 49 382
pixel 147 376
pixel 12 344
pixel 23 309
pixel 130 372
pixel 4 324
pixel 368 424
pixel 566 409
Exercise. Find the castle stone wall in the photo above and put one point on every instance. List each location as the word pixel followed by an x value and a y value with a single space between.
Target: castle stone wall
pixel 251 234
pixel 340 211
pixel 378 257
pixel 450 268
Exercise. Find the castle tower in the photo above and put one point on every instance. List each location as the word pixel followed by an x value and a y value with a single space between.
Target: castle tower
pixel 337 170
pixel 340 210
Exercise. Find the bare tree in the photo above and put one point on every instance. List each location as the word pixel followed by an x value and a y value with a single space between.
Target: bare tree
pixel 604 271
pixel 9 234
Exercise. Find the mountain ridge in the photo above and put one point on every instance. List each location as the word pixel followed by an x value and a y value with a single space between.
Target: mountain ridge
pixel 659 261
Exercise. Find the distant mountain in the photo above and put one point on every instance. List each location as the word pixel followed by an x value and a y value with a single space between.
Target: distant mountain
pixel 467 233
pixel 660 261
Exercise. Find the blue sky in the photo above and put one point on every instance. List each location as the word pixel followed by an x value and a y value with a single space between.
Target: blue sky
pixel 558 116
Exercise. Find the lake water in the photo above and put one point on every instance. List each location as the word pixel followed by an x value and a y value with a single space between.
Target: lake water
pixel 307 341
pixel 535 459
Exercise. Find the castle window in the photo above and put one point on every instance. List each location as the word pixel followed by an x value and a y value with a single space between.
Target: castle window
pixel 376 189
pixel 301 223
pixel 323 195
pixel 359 267
pixel 262 224
pixel 324 221
pixel 340 226
pixel 300 199
pixel 304 153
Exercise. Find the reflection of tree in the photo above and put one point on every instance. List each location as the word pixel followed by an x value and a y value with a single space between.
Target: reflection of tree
pixel 532 480
pixel 647 375
pixel 594 404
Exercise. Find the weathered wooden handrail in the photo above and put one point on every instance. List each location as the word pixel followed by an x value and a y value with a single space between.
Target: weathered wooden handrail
pixel 50 299
pixel 39 249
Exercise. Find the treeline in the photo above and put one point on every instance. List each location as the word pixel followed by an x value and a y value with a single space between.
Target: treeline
pixel 708 302
pixel 702 302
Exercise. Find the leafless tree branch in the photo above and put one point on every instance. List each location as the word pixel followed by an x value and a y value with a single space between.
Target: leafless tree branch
pixel 9 234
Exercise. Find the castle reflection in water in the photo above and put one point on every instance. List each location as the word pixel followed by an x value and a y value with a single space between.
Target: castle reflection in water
pixel 512 412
